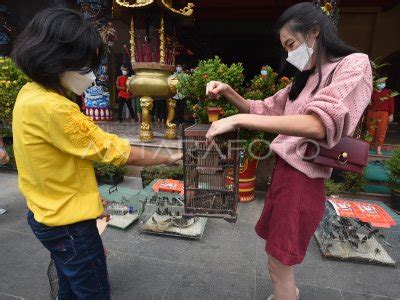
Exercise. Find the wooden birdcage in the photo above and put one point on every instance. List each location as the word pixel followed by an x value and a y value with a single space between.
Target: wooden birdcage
pixel 208 191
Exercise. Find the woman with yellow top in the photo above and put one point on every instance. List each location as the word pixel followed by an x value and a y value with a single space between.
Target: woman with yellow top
pixel 55 145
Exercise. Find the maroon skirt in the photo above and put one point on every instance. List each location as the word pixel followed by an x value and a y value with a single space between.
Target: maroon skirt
pixel 294 206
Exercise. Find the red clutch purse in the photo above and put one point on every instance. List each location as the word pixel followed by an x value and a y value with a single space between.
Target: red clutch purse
pixel 350 155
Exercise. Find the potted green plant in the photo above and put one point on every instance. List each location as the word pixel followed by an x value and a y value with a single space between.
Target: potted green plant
pixel 148 174
pixel 108 173
pixel 194 87
pixel 393 167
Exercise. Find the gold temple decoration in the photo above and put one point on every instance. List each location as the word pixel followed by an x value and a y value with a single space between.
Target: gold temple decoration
pixel 146 134
pixel 185 11
pixel 170 132
pixel 188 10
pixel 154 63
pixel 162 41
pixel 134 4
pixel 173 47
pixel 327 8
pixel 167 3
pixel 132 41
pixel 156 80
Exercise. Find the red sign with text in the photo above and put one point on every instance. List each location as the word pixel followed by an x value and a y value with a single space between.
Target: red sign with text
pixel 364 211
pixel 168 186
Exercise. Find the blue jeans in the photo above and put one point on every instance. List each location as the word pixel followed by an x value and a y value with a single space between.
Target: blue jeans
pixel 78 254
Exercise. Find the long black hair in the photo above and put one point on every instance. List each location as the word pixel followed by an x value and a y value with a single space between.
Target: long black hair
pixel 303 18
pixel 57 40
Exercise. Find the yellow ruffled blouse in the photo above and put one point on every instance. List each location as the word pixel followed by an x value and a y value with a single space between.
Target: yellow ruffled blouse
pixel 55 146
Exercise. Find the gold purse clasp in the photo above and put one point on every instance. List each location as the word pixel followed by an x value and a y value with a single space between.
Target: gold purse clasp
pixel 342 158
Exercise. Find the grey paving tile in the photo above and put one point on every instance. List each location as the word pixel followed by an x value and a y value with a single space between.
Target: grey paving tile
pixel 138 277
pixel 305 272
pixel 225 247
pixel 6 296
pixel 264 288
pixel 250 212
pixel 308 292
pixel 24 263
pixel 12 200
pixel 127 241
pixel 262 264
pixel 365 278
pixel 315 270
pixel 346 295
pixel 196 283
pixel 163 247
pixel 133 242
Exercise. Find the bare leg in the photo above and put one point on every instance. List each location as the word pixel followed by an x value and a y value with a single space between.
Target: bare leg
pixel 282 277
pixel 379 150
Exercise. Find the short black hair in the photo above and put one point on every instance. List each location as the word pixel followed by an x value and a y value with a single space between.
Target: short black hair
pixel 57 40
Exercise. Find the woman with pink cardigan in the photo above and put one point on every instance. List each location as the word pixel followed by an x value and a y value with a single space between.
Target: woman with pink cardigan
pixel 331 89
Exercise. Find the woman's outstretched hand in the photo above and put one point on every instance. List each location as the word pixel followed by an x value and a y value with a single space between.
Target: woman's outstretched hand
pixel 222 126
pixel 216 88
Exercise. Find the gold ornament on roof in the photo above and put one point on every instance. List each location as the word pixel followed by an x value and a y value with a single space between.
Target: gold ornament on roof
pixel 134 3
pixel 185 11
pixel 327 8
pixel 188 10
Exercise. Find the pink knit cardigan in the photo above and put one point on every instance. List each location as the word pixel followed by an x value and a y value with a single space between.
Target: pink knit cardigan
pixel 339 105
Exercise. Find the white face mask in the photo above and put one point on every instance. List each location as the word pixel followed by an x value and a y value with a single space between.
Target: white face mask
pixel 301 57
pixel 178 69
pixel 264 72
pixel 124 72
pixel 77 82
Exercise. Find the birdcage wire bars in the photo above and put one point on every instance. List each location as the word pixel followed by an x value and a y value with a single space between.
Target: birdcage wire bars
pixel 207 166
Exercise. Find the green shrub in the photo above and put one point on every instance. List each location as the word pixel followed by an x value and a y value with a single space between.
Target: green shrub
pixel 353 182
pixel 393 167
pixel 160 172
pixel 333 188
pixel 108 170
pixel 12 80
pixel 194 87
